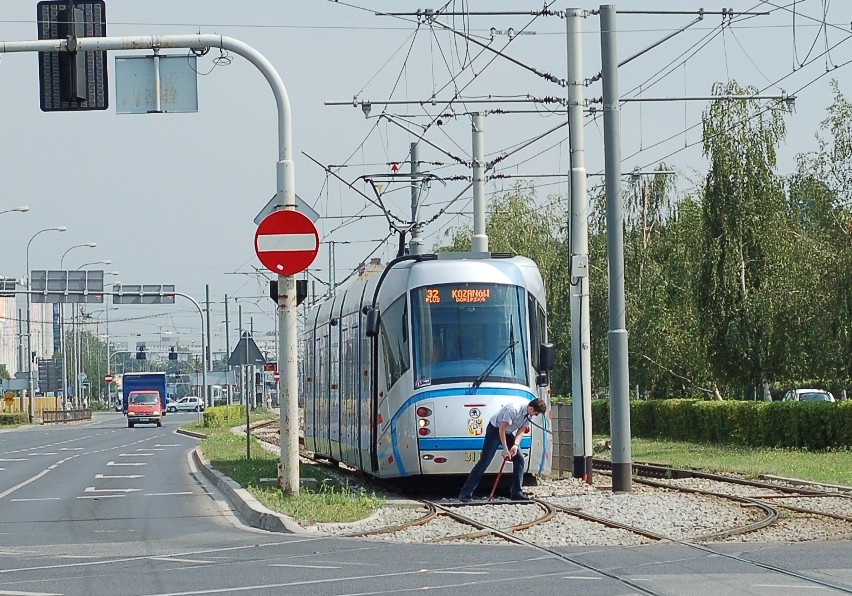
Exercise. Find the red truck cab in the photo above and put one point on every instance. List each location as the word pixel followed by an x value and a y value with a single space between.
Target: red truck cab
pixel 144 407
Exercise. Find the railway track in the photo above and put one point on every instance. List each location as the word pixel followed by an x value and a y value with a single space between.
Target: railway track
pixel 580 514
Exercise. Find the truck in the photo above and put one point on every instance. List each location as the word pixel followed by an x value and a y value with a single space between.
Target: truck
pixel 144 398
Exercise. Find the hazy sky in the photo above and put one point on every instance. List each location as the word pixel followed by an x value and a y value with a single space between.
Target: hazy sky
pixel 171 198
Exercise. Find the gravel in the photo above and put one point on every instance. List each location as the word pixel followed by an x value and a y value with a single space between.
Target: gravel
pixel 664 511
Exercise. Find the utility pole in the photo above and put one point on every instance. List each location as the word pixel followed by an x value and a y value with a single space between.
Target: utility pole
pixel 581 376
pixel 619 372
pixel 479 242
pixel 228 350
pixel 208 399
pixel 415 245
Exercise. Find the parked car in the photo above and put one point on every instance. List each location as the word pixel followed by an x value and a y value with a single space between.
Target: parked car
pixel 190 403
pixel 808 395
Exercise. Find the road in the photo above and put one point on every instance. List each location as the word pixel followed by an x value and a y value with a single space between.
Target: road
pixel 97 508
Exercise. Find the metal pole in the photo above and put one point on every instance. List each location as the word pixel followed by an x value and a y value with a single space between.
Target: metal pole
pixel 479 242
pixel 415 245
pixel 108 385
pixel 619 377
pixel 581 377
pixel 286 193
pixel 29 354
pixel 228 344
pixel 208 397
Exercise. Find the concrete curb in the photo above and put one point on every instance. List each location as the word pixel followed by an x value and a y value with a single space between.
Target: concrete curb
pixel 250 510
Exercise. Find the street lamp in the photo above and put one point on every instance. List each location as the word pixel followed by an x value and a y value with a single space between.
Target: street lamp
pixel 78 343
pixel 21 209
pixel 29 320
pixel 62 325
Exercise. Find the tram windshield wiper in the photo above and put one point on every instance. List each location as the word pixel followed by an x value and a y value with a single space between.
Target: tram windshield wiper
pixel 475 385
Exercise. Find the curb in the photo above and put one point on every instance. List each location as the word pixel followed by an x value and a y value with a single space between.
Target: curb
pixel 250 510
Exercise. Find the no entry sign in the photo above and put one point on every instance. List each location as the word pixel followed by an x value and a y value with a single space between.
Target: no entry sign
pixel 108 378
pixel 286 242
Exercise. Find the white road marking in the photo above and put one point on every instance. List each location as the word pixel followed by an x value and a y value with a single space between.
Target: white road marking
pixel 100 496
pixel 112 463
pixel 44 453
pixel 34 499
pixel 71 448
pixel 307 566
pixel 460 572
pixel 12 593
pixel 176 560
pixel 12 459
pixel 92 489
pixel 133 454
pixel 102 476
pixel 189 492
pixel 167 445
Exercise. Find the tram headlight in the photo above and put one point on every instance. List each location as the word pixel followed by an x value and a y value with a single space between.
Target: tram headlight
pixel 422 422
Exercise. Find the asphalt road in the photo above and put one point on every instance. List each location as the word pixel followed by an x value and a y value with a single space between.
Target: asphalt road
pixel 98 508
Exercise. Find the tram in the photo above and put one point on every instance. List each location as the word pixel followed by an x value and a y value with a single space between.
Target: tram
pixel 403 370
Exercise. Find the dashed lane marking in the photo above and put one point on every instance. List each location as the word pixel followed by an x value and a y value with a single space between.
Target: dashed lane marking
pixel 92 489
pixel 306 566
pixel 131 476
pixel 177 560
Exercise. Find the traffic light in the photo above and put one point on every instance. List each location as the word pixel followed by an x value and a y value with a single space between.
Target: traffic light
pixel 172 353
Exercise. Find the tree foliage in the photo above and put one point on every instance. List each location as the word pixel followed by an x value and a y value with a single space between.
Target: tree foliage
pixel 742 209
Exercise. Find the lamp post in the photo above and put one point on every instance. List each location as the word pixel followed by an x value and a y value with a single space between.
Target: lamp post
pixel 21 209
pixel 62 325
pixel 78 343
pixel 96 316
pixel 30 408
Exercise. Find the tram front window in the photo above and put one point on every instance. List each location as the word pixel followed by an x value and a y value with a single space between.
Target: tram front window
pixel 461 330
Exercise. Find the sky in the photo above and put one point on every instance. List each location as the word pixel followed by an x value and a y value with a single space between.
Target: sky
pixel 171 198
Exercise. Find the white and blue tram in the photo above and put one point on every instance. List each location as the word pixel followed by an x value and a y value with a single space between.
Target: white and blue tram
pixel 402 371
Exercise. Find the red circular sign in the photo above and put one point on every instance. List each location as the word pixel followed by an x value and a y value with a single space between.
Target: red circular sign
pixel 276 375
pixel 108 378
pixel 286 242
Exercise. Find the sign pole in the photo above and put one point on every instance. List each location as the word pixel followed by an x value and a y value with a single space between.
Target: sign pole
pixel 288 399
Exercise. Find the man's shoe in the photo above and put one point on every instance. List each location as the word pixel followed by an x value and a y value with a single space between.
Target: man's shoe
pixel 464 499
pixel 520 497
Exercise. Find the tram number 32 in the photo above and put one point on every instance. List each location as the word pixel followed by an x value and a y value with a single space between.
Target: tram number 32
pixel 471 456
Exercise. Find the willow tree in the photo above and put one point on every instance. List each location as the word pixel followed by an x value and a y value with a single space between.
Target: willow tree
pixel 742 211
pixel 820 202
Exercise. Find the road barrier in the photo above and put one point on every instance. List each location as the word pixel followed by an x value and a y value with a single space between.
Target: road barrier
pixel 49 416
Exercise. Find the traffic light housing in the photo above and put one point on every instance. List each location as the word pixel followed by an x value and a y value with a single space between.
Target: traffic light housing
pixel 172 353
pixel 140 353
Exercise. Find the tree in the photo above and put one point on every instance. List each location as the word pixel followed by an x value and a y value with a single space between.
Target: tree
pixel 742 212
pixel 820 204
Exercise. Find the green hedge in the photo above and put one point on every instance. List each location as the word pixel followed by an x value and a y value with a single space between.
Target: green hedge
pixel 13 418
pixel 811 425
pixel 220 416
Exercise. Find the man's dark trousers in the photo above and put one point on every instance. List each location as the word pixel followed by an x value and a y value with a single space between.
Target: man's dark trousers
pixel 489 448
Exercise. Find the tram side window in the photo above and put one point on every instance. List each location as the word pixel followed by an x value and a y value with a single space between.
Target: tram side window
pixel 538 329
pixel 394 341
